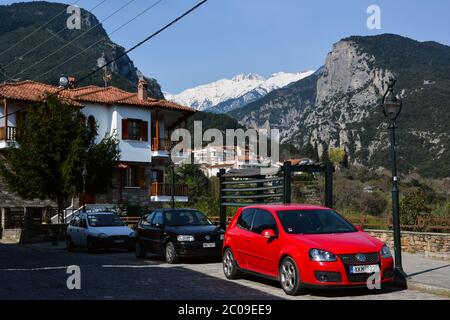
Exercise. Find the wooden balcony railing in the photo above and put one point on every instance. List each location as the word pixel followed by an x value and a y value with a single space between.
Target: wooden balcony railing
pixel 8 133
pixel 161 144
pixel 165 189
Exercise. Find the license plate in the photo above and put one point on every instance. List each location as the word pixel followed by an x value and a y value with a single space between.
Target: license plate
pixel 372 268
pixel 119 241
pixel 209 245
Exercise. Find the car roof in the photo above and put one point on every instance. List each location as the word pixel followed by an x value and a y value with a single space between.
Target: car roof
pixel 177 209
pixel 100 212
pixel 291 206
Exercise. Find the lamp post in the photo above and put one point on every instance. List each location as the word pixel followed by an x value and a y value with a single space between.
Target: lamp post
pixel 392 106
pixel 84 175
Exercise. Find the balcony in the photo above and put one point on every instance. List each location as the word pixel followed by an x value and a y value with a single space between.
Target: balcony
pixel 161 147
pixel 162 192
pixel 7 136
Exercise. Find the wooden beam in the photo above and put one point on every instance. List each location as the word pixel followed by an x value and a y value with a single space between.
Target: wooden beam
pixel 156 130
pixel 5 113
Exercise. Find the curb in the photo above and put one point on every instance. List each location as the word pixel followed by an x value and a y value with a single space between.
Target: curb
pixel 418 286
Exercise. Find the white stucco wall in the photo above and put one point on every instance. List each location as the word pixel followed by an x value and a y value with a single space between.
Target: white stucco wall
pixel 109 121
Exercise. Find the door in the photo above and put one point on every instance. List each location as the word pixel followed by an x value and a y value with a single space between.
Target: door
pixel 242 237
pixel 74 231
pixel 156 232
pixel 264 252
pixel 143 231
pixel 83 230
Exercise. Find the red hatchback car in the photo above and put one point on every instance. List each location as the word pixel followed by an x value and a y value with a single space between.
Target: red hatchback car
pixel 303 246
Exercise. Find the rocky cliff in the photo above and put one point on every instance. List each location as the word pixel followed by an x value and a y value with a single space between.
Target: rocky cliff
pixel 339 106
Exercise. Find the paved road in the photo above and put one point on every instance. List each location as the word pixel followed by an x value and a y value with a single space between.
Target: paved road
pixel 27 273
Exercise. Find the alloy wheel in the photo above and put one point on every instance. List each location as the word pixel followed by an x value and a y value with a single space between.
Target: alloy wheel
pixel 288 276
pixel 228 263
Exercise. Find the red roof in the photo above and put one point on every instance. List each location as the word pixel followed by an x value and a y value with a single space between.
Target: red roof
pixel 31 91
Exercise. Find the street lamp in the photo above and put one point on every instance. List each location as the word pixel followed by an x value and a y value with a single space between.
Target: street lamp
pixel 392 106
pixel 84 175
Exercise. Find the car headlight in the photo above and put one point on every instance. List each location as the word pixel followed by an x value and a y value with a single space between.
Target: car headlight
pixel 185 238
pixel 321 255
pixel 385 252
pixel 222 236
pixel 102 235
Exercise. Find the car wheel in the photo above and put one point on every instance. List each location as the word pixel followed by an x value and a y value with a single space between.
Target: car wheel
pixel 171 254
pixel 230 267
pixel 139 250
pixel 69 244
pixel 290 277
pixel 91 246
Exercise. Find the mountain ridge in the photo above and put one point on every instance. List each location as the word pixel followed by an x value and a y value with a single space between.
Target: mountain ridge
pixel 227 94
pixel 339 106
pixel 45 21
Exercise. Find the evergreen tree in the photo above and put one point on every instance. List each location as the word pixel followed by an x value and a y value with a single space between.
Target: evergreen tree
pixel 308 151
pixel 54 145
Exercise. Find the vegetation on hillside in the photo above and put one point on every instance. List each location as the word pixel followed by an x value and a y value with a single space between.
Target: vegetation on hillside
pixel 18 21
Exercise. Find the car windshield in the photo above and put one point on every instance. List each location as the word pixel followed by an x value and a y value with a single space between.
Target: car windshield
pixel 314 222
pixel 186 218
pixel 105 220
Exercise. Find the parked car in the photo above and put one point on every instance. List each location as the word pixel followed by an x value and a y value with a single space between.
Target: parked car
pixel 303 246
pixel 176 233
pixel 95 230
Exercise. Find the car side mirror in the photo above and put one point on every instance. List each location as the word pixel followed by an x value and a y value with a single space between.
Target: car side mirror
pixel 359 228
pixel 268 234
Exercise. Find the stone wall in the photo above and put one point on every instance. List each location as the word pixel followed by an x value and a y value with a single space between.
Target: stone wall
pixel 416 242
pixel 131 196
pixel 36 233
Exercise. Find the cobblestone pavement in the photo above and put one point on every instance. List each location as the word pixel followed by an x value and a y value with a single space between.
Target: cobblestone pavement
pixel 26 273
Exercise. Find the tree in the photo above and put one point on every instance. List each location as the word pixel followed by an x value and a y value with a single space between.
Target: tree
pixel 308 151
pixel 54 145
pixel 325 156
pixel 336 155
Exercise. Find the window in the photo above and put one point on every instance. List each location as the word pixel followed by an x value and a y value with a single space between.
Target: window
pixel 264 220
pixel 75 221
pixel 157 219
pixel 134 176
pixel 186 218
pixel 245 219
pixel 134 129
pixel 91 124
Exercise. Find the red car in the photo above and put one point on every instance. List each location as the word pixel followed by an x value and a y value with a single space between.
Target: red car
pixel 303 246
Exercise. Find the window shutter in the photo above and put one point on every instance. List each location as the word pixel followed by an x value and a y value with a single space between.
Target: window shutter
pixel 124 129
pixel 141 176
pixel 144 131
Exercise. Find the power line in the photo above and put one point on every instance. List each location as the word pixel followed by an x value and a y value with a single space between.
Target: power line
pixel 81 35
pixel 145 40
pixel 104 39
pixel 42 26
pixel 53 35
pixel 129 50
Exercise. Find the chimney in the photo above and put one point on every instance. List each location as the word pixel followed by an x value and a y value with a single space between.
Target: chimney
pixel 72 82
pixel 142 90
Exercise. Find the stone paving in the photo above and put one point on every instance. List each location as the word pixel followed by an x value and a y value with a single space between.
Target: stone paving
pixel 39 272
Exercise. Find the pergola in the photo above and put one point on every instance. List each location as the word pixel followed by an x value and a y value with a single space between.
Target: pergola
pixel 239 188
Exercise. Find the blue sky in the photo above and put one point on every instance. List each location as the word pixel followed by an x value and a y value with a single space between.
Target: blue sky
pixel 227 37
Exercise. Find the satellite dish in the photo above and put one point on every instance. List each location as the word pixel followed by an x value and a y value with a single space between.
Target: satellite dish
pixel 63 82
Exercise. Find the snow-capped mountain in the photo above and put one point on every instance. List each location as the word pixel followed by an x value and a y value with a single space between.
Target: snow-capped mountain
pixel 228 94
